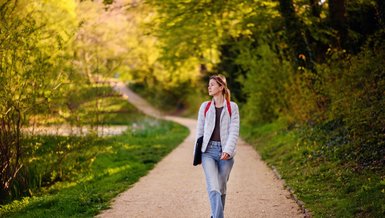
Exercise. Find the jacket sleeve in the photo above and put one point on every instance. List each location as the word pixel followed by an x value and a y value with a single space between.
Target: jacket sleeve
pixel 233 132
pixel 200 123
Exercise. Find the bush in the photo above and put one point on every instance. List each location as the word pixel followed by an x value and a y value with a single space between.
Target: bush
pixel 264 84
pixel 355 116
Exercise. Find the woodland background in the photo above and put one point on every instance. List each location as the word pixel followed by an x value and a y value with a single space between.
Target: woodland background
pixel 308 75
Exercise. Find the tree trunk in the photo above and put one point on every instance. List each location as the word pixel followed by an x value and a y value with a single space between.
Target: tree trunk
pixel 295 35
pixel 381 11
pixel 11 152
pixel 337 19
pixel 315 8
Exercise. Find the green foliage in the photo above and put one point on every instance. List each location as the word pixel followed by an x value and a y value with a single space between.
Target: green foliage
pixel 338 95
pixel 356 87
pixel 107 43
pixel 93 105
pixel 95 170
pixel 345 107
pixel 52 54
pixel 264 84
pixel 79 110
pixel 330 187
pixel 307 102
pixel 192 38
pixel 77 176
pixel 171 100
pixel 30 72
pixel 335 159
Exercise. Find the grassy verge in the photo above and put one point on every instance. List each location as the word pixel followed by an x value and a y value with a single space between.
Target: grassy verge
pixel 91 105
pixel 170 104
pixel 329 187
pixel 78 176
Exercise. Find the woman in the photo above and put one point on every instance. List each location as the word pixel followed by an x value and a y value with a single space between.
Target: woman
pixel 218 123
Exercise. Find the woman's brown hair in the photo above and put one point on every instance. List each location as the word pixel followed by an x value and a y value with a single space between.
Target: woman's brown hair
pixel 221 80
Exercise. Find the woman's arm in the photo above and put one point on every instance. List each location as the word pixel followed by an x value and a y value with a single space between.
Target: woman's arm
pixel 233 131
pixel 200 122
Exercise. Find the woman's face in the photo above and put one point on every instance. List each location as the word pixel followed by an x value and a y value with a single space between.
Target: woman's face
pixel 214 88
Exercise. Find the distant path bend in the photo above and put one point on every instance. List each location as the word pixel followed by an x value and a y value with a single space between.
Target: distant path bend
pixel 174 188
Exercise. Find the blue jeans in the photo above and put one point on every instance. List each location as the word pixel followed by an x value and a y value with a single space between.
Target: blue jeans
pixel 217 174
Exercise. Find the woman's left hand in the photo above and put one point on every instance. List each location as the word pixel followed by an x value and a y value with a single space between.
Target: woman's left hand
pixel 225 156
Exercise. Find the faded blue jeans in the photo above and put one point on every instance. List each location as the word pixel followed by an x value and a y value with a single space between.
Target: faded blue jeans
pixel 217 174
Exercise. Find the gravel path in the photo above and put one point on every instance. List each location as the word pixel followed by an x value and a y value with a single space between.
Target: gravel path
pixel 174 188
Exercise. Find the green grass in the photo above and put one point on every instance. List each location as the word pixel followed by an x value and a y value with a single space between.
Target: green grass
pixel 110 112
pixel 169 104
pixel 328 187
pixel 78 176
pixel 92 105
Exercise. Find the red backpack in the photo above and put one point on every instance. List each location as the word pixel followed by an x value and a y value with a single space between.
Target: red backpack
pixel 227 103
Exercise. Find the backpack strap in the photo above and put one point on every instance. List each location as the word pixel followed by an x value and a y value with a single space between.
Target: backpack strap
pixel 228 107
pixel 207 107
pixel 227 103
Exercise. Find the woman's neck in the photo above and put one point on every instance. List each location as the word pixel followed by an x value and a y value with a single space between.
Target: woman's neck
pixel 219 100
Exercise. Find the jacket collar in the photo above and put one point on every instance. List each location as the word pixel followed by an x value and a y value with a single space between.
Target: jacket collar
pixel 213 103
pixel 212 108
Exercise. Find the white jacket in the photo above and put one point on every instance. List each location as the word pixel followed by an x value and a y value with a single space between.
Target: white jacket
pixel 229 127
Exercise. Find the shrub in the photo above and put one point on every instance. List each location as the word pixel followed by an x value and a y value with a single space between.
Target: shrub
pixel 355 85
pixel 264 84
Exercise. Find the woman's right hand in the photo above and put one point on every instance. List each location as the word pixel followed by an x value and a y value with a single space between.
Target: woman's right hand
pixel 225 156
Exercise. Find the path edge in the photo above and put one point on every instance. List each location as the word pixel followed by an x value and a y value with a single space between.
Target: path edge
pixel 301 204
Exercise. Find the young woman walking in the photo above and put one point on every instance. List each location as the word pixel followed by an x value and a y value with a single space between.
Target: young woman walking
pixel 218 123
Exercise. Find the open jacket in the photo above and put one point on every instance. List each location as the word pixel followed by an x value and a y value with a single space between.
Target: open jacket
pixel 229 127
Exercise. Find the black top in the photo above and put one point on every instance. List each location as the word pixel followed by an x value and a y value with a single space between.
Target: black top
pixel 216 136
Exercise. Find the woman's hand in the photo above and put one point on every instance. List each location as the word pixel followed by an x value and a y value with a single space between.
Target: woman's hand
pixel 225 156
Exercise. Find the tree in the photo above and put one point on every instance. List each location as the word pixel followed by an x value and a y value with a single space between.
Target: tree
pixel 296 36
pixel 381 11
pixel 337 16
pixel 31 71
pixel 315 8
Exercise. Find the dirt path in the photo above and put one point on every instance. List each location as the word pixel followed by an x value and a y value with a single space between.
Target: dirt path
pixel 174 188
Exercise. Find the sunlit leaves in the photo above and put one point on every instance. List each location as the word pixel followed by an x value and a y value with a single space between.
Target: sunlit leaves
pixel 33 45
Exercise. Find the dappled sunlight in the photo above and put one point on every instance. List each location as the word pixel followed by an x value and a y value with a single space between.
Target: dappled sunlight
pixel 115 170
pixel 130 147
pixel 65 185
pixel 24 203
pixel 158 146
pixel 65 130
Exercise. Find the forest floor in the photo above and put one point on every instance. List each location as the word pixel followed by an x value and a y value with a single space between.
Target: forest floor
pixel 175 188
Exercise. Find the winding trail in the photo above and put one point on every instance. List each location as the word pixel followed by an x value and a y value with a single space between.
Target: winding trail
pixel 174 188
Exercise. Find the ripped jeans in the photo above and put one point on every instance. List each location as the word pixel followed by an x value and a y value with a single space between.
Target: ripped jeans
pixel 217 173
